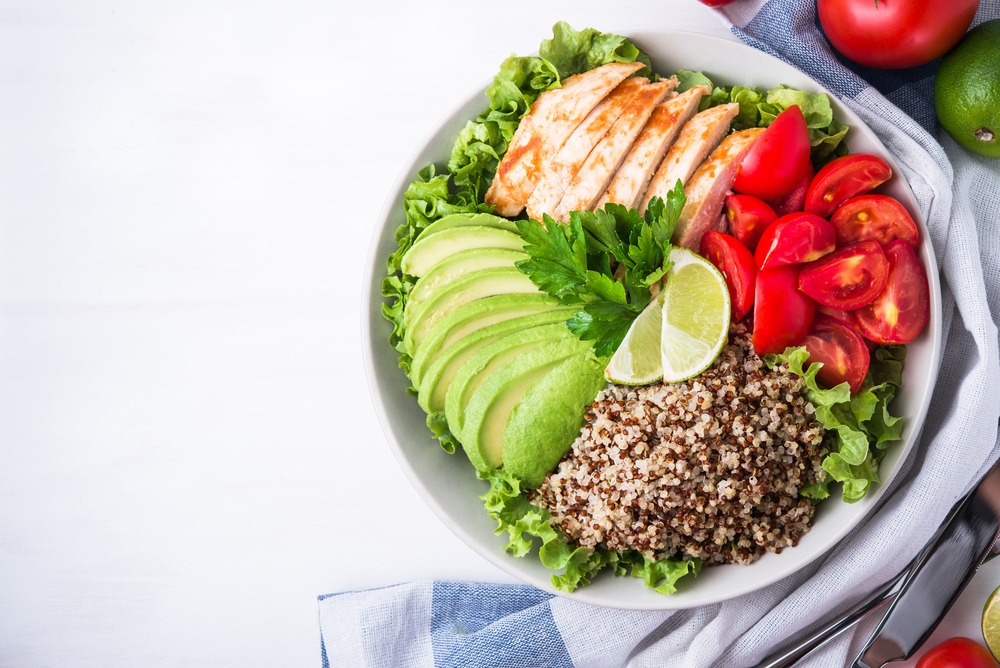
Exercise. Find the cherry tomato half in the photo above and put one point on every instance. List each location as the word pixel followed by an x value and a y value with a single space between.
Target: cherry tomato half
pixel 736 263
pixel 837 344
pixel 782 314
pixel 877 217
pixel 894 34
pixel 957 653
pixel 795 200
pixel 843 178
pixel 748 216
pixel 778 159
pixel 848 278
pixel 900 311
pixel 794 238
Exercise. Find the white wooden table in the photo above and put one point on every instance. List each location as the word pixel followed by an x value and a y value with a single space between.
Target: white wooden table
pixel 188 452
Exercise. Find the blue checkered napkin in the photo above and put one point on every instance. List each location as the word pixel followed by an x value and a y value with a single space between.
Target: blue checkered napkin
pixel 447 624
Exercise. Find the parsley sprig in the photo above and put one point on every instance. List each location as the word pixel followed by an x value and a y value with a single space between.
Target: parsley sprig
pixel 604 261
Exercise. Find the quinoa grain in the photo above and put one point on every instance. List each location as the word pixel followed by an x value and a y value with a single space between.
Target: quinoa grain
pixel 709 468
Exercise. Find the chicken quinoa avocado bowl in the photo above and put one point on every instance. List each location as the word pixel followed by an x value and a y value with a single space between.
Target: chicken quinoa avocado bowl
pixel 664 319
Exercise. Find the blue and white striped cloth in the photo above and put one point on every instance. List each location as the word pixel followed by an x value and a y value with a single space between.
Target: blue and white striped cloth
pixel 470 625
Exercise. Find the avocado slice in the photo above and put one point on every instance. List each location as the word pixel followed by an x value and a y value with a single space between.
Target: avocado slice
pixel 542 426
pixel 470 318
pixel 455 266
pixel 467 219
pixel 428 250
pixel 488 359
pixel 490 405
pixel 433 387
pixel 478 284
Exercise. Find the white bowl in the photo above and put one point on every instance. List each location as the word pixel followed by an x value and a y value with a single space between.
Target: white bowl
pixel 448 482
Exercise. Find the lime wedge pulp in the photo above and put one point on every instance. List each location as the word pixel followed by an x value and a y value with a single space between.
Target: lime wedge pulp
pixel 695 316
pixel 991 622
pixel 637 360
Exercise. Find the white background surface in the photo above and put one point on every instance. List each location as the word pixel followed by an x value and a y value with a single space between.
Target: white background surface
pixel 188 452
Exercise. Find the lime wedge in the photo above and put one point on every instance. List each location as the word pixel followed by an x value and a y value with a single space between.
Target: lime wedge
pixel 637 360
pixel 991 623
pixel 695 316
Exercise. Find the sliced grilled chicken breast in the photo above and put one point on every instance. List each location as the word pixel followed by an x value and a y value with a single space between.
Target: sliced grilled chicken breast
pixel 630 181
pixel 708 186
pixel 697 139
pixel 544 129
pixel 556 174
pixel 590 182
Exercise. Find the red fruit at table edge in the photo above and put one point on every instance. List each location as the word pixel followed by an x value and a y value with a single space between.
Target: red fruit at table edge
pixel 795 238
pixel 843 178
pixel 844 354
pixel 899 313
pixel 736 263
pixel 848 278
pixel 778 160
pixel 748 217
pixel 877 217
pixel 895 34
pixel 957 653
pixel 782 314
pixel 716 3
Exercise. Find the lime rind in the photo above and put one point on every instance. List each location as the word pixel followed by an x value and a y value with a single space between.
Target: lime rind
pixel 991 623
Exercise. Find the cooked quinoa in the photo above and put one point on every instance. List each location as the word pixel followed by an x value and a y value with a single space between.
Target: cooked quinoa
pixel 710 468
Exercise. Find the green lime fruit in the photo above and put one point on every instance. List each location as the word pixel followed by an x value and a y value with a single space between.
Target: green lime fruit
pixel 695 316
pixel 967 90
pixel 991 622
pixel 637 360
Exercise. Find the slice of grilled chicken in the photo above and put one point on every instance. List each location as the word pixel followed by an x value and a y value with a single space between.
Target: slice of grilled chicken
pixel 590 182
pixel 697 139
pixel 706 190
pixel 543 130
pixel 632 178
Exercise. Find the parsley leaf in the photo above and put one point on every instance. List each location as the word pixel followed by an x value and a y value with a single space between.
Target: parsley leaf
pixel 605 261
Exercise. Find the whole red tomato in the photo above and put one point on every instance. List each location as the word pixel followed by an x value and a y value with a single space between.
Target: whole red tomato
pixel 895 33
pixel 957 653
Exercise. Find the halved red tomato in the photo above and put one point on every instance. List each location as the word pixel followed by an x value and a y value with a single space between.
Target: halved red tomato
pixel 841 349
pixel 736 263
pixel 877 217
pixel 794 238
pixel 795 200
pixel 843 178
pixel 782 314
pixel 778 159
pixel 848 278
pixel 748 216
pixel 900 312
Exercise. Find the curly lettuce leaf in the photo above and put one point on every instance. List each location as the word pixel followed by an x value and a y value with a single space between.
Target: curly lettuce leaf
pixel 506 502
pixel 572 51
pixel 859 427
pixel 759 107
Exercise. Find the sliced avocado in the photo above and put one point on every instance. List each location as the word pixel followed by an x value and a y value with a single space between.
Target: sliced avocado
pixel 491 404
pixel 547 419
pixel 433 387
pixel 479 284
pixel 488 359
pixel 467 219
pixel 455 266
pixel 470 318
pixel 428 250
